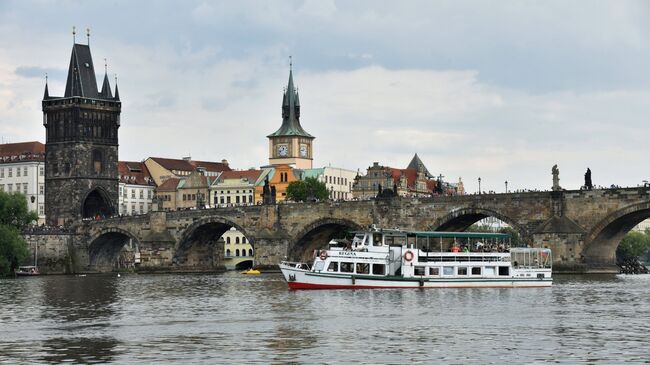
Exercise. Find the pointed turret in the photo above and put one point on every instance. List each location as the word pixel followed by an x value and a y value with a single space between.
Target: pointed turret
pixel 117 92
pixel 106 88
pixel 46 95
pixel 418 165
pixel 81 73
pixel 290 113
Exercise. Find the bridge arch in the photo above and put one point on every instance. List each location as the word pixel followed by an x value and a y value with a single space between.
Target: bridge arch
pixel 459 220
pixel 316 235
pixel 200 247
pixel 112 248
pixel 603 239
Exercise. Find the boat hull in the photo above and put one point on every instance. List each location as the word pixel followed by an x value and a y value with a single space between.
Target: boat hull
pixel 303 279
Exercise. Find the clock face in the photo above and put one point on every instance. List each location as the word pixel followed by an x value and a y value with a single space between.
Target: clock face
pixel 283 150
pixel 303 150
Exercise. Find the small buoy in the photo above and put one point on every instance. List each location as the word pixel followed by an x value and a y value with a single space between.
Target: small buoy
pixel 118 274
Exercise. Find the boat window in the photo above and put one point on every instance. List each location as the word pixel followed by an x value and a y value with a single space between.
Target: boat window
pixel 476 271
pixel 363 268
pixel 503 271
pixel 378 269
pixel 462 271
pixel 347 267
pixel 448 271
pixel 334 266
pixel 319 265
pixel 489 271
pixel 419 270
pixel 434 271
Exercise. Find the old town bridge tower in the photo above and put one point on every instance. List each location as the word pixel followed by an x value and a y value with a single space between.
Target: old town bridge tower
pixel 81 178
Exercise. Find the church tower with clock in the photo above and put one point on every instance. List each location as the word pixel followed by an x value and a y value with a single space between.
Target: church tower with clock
pixel 291 144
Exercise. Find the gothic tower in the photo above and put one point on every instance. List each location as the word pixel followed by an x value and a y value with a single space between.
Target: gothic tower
pixel 291 144
pixel 81 178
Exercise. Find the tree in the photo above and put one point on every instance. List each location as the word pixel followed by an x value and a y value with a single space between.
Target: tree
pixel 14 216
pixel 309 189
pixel 633 245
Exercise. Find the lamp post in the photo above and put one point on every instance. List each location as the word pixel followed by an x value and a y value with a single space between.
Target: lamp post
pixel 479 185
pixel 506 186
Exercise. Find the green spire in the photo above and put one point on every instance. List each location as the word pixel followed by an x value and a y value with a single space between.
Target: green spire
pixel 290 113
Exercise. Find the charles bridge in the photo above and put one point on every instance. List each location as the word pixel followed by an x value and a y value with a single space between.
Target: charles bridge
pixel 582 227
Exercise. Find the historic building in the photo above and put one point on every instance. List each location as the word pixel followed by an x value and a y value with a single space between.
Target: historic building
pixel 162 169
pixel 188 192
pixel 338 181
pixel 137 188
pixel 235 188
pixel 81 177
pixel 411 181
pixel 291 144
pixel 22 170
pixel 279 177
pixel 238 252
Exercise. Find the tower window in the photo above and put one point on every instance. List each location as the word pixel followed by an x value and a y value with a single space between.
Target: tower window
pixel 98 165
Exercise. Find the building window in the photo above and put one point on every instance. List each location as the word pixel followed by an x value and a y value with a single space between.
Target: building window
pixel 236 239
pixel 227 239
pixel 25 171
pixel 237 252
pixel 10 188
pixel 132 208
pixel 10 172
pixel 243 252
pixel 250 199
pixel 141 208
pixel 250 252
pixel 98 162
pixel 141 194
pixel 149 194
pixel 228 253
pixel 41 171
pixel 221 200
pixel 17 171
pixel 243 240
pixel 2 172
pixel 41 209
pixel 133 193
pixel 237 199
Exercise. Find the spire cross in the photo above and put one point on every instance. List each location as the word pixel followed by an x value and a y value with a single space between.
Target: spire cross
pixel 88 35
pixel 115 78
pixel 290 63
pixel 74 34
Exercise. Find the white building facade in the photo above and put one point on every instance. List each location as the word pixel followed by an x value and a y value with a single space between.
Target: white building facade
pixel 136 188
pixel 22 170
pixel 338 181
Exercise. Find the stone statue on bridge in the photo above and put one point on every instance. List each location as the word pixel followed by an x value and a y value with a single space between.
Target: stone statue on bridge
pixel 588 184
pixel 556 178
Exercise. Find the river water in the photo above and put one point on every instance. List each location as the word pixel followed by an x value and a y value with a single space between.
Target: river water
pixel 233 318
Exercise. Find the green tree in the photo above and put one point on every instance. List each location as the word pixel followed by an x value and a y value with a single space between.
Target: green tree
pixel 14 216
pixel 633 245
pixel 308 189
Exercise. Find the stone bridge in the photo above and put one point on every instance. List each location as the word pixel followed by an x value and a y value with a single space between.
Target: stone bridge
pixel 583 228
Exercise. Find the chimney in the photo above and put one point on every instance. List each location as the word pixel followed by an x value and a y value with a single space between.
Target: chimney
pixel 224 161
pixel 188 158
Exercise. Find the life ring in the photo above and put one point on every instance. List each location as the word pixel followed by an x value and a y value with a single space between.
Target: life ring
pixel 323 255
pixel 408 256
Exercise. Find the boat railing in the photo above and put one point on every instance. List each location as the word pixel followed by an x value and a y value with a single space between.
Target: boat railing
pixel 297 265
pixel 463 257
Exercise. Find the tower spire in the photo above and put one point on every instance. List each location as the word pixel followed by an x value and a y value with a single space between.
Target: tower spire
pixel 74 34
pixel 46 95
pixel 117 93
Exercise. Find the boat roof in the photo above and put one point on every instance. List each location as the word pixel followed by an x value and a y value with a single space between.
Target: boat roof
pixel 440 234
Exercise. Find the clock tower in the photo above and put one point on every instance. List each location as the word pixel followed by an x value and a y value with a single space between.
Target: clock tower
pixel 291 144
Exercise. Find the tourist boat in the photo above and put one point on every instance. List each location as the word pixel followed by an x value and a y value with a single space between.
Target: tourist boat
pixel 27 271
pixel 380 258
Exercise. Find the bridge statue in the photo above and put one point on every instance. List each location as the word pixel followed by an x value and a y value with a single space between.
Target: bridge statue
pixel 556 178
pixel 588 184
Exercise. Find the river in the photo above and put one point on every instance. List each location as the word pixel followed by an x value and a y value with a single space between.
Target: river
pixel 233 318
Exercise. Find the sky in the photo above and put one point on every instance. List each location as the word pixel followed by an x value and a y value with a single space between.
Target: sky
pixel 500 90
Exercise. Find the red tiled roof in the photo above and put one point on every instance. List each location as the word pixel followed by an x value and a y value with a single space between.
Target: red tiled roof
pixel 210 166
pixel 174 164
pixel 22 151
pixel 251 175
pixel 410 174
pixel 134 173
pixel 170 184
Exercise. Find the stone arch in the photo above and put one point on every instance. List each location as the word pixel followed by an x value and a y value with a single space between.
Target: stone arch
pixel 463 218
pixel 112 248
pixel 603 239
pixel 200 247
pixel 316 235
pixel 96 202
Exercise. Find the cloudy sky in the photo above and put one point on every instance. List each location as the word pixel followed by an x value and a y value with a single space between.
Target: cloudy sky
pixel 497 89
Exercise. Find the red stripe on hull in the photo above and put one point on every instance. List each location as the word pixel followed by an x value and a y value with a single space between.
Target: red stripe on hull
pixel 296 286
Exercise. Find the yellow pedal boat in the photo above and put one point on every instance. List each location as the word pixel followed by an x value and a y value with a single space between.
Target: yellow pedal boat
pixel 251 272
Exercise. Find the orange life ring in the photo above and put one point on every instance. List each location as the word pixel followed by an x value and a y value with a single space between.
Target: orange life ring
pixel 323 255
pixel 408 256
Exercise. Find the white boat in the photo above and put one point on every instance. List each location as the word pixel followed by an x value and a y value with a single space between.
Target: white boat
pixel 380 258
